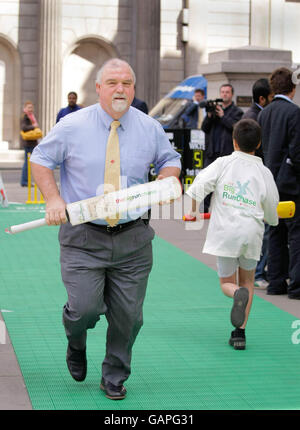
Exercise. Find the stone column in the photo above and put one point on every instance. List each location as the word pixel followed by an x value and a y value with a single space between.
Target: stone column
pixel 145 55
pixel 198 36
pixel 2 83
pixel 259 34
pixel 50 63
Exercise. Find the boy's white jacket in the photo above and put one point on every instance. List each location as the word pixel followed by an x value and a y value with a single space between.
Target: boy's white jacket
pixel 245 194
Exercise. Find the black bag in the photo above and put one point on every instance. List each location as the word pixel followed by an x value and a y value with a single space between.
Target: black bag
pixel 287 181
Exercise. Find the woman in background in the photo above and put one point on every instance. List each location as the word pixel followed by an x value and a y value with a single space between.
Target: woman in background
pixel 28 122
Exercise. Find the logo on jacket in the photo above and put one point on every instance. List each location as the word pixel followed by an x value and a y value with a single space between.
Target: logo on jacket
pixel 242 188
pixel 237 192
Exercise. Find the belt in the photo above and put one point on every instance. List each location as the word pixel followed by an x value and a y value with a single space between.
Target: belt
pixel 116 228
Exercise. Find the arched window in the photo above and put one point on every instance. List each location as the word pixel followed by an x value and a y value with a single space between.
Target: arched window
pixel 10 98
pixel 80 66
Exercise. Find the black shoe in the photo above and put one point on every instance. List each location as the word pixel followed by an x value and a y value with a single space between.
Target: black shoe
pixel 290 296
pixel 77 364
pixel 113 392
pixel 237 340
pixel 276 292
pixel 240 300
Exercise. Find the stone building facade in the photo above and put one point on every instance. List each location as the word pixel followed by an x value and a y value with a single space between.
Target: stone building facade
pixel 50 47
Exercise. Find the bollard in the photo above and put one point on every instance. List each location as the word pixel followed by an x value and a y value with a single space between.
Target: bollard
pixel 35 188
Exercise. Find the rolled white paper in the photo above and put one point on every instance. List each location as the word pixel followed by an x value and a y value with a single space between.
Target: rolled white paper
pixel 126 200
pixel 26 226
pixel 116 203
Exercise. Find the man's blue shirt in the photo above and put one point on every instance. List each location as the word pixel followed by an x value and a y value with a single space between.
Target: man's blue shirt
pixel 65 111
pixel 283 96
pixel 77 143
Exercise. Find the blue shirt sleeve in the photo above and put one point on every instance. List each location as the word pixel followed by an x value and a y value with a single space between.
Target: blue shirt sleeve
pixel 166 156
pixel 52 150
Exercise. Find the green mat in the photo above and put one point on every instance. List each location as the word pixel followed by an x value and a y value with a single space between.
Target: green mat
pixel 181 360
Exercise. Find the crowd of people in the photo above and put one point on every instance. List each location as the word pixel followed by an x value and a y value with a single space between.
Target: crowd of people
pixel 273 109
pixel 251 162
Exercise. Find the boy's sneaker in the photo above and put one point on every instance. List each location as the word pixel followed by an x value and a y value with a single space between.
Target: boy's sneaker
pixel 240 300
pixel 261 284
pixel 238 339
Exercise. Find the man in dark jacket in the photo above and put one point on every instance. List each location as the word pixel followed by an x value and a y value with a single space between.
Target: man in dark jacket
pixel 218 126
pixel 140 105
pixel 193 115
pixel 262 96
pixel 72 106
pixel 280 122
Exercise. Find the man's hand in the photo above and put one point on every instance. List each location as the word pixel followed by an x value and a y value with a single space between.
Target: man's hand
pixel 56 211
pixel 162 176
pixel 55 205
pixel 159 177
pixel 219 111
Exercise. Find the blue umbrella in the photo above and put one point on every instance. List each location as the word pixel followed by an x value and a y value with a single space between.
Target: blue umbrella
pixel 186 88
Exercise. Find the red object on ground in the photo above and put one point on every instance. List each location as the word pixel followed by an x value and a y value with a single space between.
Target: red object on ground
pixel 189 217
pixel 205 215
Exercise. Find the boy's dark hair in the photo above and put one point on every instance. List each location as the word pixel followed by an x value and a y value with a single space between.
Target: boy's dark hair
pixel 261 88
pixel 247 134
pixel 281 81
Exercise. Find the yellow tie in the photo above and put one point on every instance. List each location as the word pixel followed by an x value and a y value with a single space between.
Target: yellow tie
pixel 112 165
pixel 200 117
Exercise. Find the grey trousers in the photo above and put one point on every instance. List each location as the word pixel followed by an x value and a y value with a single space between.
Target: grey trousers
pixel 106 273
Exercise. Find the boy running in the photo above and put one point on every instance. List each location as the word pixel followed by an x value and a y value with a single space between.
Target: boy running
pixel 244 195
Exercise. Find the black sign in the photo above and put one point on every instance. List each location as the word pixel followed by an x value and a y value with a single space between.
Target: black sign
pixel 243 101
pixel 191 145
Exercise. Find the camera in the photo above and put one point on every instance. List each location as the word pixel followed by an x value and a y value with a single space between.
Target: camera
pixel 210 105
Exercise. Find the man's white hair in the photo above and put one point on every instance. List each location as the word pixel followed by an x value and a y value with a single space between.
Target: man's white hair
pixel 114 63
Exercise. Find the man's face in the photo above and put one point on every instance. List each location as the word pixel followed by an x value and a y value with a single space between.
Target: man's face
pixel 198 96
pixel 264 101
pixel 116 90
pixel 72 100
pixel 226 94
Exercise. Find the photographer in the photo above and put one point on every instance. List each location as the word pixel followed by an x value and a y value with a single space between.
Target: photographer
pixel 218 126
